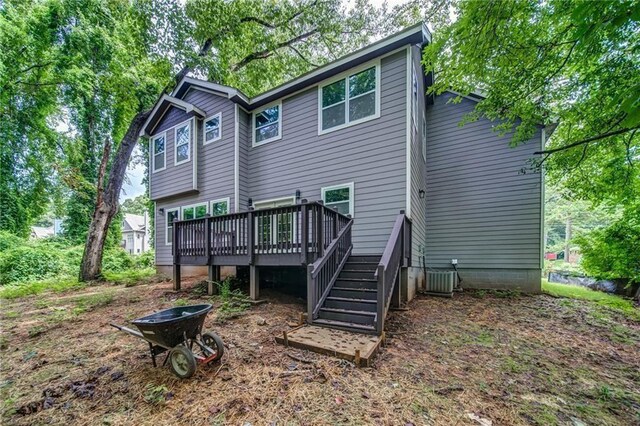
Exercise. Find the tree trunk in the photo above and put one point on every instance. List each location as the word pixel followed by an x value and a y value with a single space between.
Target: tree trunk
pixel 107 202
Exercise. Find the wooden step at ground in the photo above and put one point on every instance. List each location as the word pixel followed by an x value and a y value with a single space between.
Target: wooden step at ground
pixel 350 303
pixel 354 293
pixel 356 283
pixel 347 326
pixel 348 316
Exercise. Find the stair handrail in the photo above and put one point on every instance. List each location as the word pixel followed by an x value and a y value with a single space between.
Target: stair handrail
pixel 323 273
pixel 389 267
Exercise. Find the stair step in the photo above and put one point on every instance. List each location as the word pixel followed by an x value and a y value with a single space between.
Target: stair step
pixel 341 325
pixel 354 293
pixel 355 283
pixel 349 303
pixel 349 316
pixel 365 258
pixel 357 273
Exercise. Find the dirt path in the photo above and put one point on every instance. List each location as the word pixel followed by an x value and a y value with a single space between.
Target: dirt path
pixel 472 359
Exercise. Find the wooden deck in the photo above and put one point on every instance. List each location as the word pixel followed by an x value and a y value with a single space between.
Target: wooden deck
pixel 357 348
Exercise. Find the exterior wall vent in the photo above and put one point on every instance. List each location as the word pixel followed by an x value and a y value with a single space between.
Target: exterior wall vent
pixel 440 283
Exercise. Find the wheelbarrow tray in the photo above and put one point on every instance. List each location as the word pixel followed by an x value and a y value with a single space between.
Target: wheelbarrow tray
pixel 170 327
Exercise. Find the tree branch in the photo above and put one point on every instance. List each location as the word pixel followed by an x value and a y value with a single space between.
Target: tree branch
pixel 303 57
pixel 262 54
pixel 588 140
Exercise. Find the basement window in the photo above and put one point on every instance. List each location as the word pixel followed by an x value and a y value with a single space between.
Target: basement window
pixel 220 207
pixel 195 211
pixel 172 215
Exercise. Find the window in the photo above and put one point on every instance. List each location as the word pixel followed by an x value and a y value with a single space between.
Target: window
pixel 267 125
pixel 172 215
pixel 424 138
pixel 183 144
pixel 350 100
pixel 278 228
pixel 213 128
pixel 220 207
pixel 158 145
pixel 195 211
pixel 130 239
pixel 339 197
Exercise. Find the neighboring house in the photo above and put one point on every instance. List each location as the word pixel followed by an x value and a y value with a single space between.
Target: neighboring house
pixel 135 233
pixel 42 231
pixel 240 181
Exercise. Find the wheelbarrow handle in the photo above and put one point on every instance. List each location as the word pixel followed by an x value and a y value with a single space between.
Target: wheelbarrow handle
pixel 128 330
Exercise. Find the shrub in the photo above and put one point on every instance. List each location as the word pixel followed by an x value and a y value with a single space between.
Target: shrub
pixel 145 260
pixel 29 263
pixel 116 260
pixel 9 241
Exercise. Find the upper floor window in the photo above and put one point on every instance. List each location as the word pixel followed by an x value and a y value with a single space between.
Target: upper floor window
pixel 339 197
pixel 267 124
pixel 424 138
pixel 414 96
pixel 350 100
pixel 213 128
pixel 158 146
pixel 183 143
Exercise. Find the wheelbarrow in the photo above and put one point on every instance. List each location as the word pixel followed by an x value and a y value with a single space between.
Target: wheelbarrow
pixel 178 331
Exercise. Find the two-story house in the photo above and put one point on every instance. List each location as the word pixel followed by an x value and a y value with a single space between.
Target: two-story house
pixel 349 171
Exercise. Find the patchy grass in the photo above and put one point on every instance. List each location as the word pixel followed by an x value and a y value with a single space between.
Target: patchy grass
pixel 610 301
pixel 15 291
pixel 508 359
pixel 131 277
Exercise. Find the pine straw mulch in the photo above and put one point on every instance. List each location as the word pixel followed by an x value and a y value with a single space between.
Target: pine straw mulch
pixel 479 358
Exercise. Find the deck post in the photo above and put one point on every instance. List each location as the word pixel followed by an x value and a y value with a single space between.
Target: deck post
pixel 214 276
pixel 310 294
pixel 176 276
pixel 254 282
pixel 250 236
pixel 304 230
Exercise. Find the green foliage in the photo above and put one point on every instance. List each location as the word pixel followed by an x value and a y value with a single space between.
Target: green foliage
pixel 9 240
pixel 130 277
pixel 609 301
pixel 570 62
pixel 145 260
pixel 156 395
pixel 614 251
pixel 138 205
pixel 233 301
pixel 30 288
pixel 28 263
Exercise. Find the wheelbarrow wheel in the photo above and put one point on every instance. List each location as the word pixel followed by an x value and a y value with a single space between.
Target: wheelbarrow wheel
pixel 182 361
pixel 214 342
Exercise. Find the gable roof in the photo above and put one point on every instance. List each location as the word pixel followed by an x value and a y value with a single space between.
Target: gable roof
pixel 161 107
pixel 416 34
pixel 134 222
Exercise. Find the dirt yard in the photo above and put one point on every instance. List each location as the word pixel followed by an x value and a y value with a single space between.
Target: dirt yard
pixel 480 358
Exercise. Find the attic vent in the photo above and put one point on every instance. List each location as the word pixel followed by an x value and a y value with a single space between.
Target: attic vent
pixel 440 283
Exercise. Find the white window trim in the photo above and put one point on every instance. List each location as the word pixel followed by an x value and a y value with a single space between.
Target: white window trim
pixel 204 128
pixel 345 76
pixel 183 208
pixel 166 223
pixel 273 224
pixel 415 105
pixel 253 124
pixel 220 200
pixel 175 142
pixel 153 152
pixel 352 194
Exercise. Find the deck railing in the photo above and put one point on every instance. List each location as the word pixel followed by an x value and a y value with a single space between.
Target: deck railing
pixel 300 233
pixel 322 274
pixel 396 253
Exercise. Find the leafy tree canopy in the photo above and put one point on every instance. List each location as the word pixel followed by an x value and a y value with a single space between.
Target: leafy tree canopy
pixel 571 62
pixel 138 205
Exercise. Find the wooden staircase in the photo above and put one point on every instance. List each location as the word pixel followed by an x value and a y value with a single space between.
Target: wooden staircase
pixel 352 302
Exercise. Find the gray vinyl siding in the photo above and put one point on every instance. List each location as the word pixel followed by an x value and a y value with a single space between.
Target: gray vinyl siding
pixel 244 130
pixel 370 154
pixel 481 208
pixel 215 167
pixel 418 171
pixel 173 179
